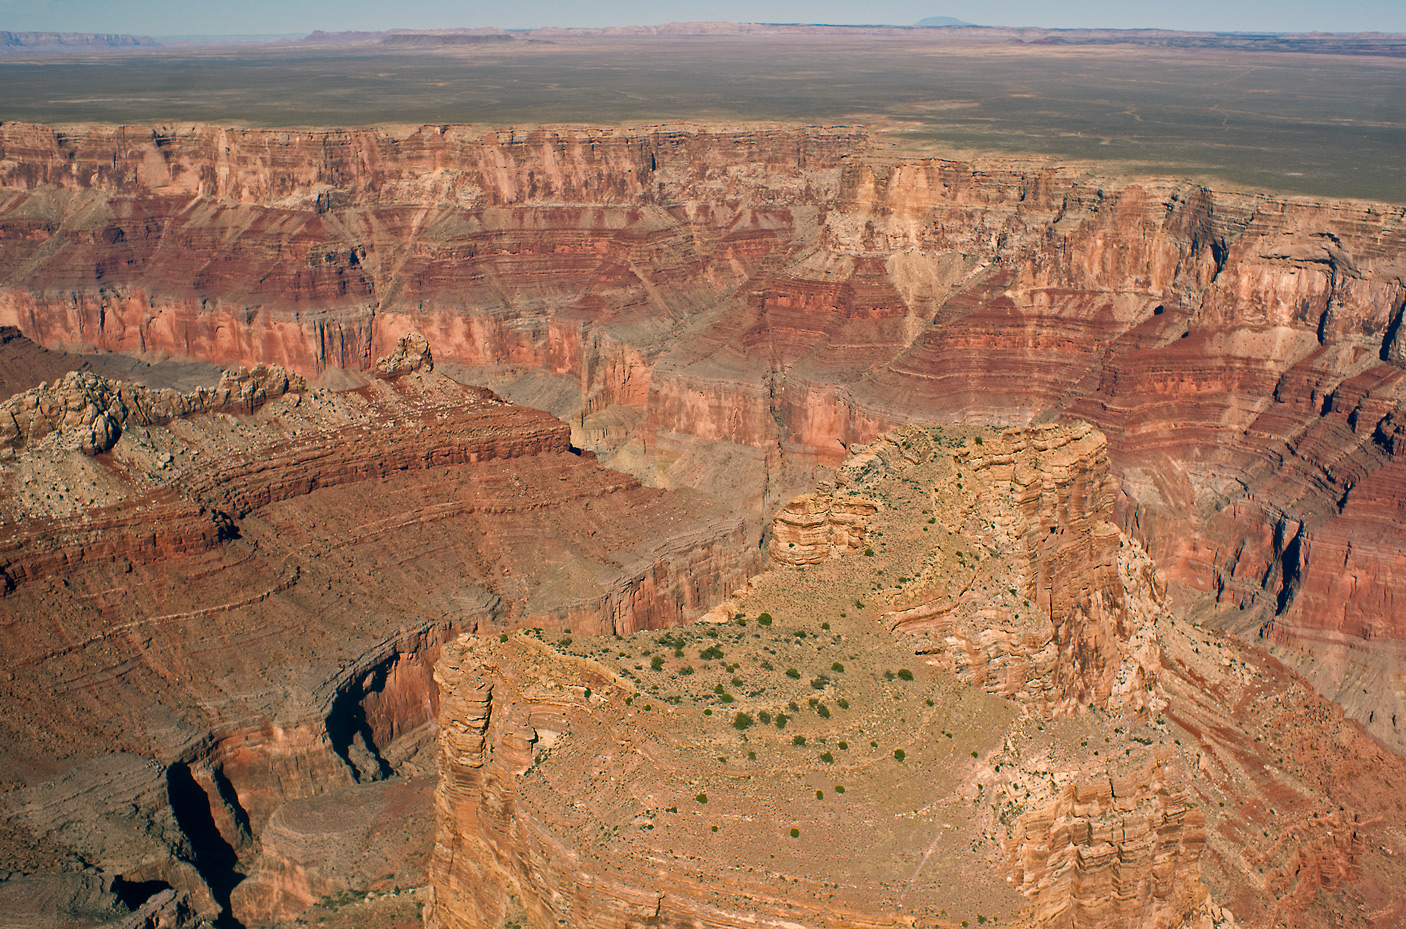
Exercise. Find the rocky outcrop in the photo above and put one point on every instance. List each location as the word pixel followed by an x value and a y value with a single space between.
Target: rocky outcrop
pixel 1119 851
pixel 1077 630
pixel 817 526
pixel 88 412
pixel 412 353
pixel 527 831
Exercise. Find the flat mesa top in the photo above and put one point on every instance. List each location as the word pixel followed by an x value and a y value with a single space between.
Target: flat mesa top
pixel 1205 106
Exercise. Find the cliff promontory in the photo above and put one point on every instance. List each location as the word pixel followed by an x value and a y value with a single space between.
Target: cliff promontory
pixel 803 759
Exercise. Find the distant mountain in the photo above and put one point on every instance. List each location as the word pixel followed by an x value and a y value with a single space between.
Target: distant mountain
pixel 78 41
pixel 942 21
pixel 425 38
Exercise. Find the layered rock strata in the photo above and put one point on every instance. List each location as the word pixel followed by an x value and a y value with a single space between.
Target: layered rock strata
pixel 807 769
pixel 526 831
pixel 726 308
pixel 218 622
pixel 817 526
pixel 1114 852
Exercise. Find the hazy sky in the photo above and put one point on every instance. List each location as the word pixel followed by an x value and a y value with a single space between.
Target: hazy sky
pixel 182 17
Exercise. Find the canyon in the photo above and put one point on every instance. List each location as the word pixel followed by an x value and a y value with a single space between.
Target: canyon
pixel 634 349
pixel 727 310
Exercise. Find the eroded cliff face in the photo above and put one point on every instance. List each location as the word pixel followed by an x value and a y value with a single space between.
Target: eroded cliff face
pixel 795 762
pixel 1075 566
pixel 725 309
pixel 220 611
pixel 531 728
pixel 1053 605
pixel 1113 851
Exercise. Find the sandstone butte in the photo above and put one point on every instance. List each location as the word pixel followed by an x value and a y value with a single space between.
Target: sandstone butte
pixel 222 605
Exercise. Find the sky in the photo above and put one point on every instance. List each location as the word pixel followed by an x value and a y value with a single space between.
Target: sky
pixel 242 17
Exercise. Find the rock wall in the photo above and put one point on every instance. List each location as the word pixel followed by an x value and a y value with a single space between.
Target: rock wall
pixel 1043 496
pixel 794 292
pixel 1122 852
pixel 817 526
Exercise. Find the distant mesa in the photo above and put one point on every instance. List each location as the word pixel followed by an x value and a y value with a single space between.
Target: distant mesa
pixel 410 37
pixel 940 21
pixel 48 41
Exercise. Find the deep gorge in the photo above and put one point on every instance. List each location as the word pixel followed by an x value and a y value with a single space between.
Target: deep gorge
pixel 723 314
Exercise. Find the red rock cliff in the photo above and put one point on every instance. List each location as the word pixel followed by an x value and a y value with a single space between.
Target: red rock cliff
pixel 767 297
